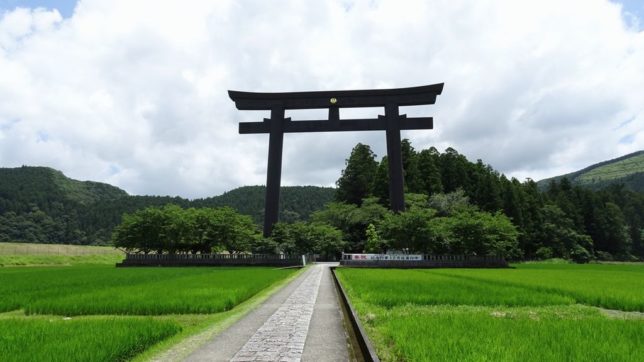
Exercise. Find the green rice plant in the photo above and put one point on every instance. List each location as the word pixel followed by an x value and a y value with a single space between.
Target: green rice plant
pixel 58 260
pixel 13 249
pixel 96 339
pixel 522 314
pixel 394 287
pixel 559 333
pixel 614 286
pixel 83 290
pixel 31 254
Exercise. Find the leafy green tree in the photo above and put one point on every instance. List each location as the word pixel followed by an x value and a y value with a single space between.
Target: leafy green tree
pixel 173 229
pixel 306 238
pixel 234 231
pixel 176 226
pixel 328 241
pixel 408 231
pixel 282 237
pixel 357 178
pixel 558 233
pixel 141 231
pixel 476 232
pixel 351 220
pixel 374 243
pixel 265 246
pixel 449 203
pixel 416 201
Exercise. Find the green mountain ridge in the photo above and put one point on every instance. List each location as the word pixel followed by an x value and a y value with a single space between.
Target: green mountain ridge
pixel 627 170
pixel 27 184
pixel 41 204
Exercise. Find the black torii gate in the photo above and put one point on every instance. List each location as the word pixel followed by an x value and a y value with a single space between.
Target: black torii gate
pixel 392 122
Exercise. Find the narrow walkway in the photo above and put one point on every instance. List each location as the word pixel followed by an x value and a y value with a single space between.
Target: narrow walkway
pixel 301 322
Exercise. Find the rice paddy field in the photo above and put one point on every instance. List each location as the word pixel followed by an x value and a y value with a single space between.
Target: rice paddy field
pixel 533 312
pixel 104 289
pixel 29 254
pixel 56 339
pixel 96 312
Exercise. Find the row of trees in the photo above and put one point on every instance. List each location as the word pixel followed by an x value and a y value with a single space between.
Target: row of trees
pixel 174 230
pixel 441 224
pixel 564 221
pixel 446 224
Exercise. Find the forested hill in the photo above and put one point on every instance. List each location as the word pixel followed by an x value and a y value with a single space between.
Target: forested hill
pixel 296 202
pixel 627 170
pixel 40 204
pixel 46 187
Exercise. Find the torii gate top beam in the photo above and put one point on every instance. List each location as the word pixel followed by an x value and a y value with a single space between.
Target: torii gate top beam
pixel 412 96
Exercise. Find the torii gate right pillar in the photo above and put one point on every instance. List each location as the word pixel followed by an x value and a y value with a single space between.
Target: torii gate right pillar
pixel 394 157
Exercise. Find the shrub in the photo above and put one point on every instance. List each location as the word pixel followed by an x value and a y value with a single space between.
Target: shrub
pixel 543 253
pixel 580 255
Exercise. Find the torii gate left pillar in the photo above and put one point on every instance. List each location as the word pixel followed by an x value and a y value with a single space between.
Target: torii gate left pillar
pixel 392 122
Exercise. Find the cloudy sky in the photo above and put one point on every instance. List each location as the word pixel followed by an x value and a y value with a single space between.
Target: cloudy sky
pixel 133 92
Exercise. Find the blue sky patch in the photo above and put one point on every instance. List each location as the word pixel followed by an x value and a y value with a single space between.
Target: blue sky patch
pixel 628 139
pixel 65 7
pixel 633 12
pixel 42 136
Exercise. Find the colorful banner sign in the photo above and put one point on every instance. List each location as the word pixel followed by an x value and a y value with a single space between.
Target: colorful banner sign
pixel 397 257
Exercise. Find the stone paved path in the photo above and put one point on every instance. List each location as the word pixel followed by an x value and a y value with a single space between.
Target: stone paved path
pixel 282 336
pixel 303 321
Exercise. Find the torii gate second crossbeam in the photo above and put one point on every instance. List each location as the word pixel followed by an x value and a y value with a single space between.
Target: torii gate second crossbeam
pixel 392 122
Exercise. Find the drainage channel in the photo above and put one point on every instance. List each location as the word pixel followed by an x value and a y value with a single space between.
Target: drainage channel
pixel 361 348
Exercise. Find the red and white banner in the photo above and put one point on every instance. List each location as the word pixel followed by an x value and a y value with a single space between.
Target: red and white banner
pixel 397 257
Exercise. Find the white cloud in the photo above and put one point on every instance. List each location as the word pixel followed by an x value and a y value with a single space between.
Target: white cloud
pixel 134 92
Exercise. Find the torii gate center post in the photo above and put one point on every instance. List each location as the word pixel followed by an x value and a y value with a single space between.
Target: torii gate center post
pixel 392 122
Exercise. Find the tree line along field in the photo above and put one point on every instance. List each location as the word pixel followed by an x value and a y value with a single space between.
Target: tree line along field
pixel 101 313
pixel 535 312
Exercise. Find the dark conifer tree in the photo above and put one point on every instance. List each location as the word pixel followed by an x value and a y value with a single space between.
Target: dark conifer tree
pixel 453 169
pixel 429 174
pixel 381 182
pixel 356 182
pixel 410 167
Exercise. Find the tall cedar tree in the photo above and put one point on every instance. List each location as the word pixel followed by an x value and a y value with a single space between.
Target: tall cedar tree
pixel 428 172
pixel 356 182
pixel 410 167
pixel 381 182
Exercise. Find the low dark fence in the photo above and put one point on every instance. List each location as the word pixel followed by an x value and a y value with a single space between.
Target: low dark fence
pixel 432 261
pixel 211 260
